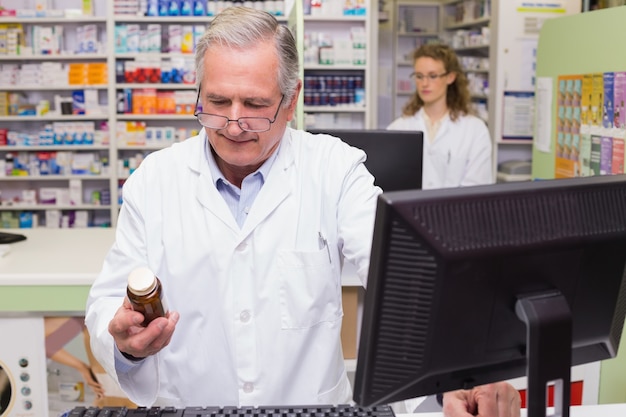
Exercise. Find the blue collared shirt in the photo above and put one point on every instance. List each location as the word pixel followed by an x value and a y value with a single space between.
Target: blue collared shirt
pixel 239 201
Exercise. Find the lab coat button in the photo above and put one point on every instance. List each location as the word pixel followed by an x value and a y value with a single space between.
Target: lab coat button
pixel 248 387
pixel 242 247
pixel 245 316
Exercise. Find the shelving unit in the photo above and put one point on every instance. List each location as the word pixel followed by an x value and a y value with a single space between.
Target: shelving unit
pixel 340 50
pixel 32 61
pixel 416 23
pixel 467 29
pixel 117 155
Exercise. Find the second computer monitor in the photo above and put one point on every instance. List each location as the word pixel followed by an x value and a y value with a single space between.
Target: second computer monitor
pixel 473 285
pixel 394 157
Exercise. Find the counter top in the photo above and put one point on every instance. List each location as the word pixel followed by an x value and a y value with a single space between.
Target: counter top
pixel 601 410
pixel 71 257
pixel 52 270
pixel 55 256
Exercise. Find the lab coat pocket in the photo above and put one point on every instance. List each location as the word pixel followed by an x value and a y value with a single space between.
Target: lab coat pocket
pixel 308 293
pixel 339 394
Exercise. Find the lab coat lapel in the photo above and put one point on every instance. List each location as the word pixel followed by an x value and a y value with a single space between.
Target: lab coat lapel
pixel 210 198
pixel 205 190
pixel 276 189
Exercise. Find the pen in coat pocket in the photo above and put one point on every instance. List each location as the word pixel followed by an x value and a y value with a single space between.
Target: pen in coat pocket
pixel 324 243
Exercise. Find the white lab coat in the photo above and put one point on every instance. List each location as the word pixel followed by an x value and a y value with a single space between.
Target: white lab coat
pixel 460 154
pixel 260 307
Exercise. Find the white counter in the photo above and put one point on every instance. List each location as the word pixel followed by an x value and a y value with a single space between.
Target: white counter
pixel 70 257
pixel 604 410
pixel 55 256
pixel 53 269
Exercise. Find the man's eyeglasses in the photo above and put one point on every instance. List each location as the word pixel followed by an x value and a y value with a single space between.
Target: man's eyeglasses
pixel 429 77
pixel 248 124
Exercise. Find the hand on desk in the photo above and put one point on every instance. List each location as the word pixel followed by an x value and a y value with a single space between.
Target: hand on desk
pixel 133 339
pixel 493 400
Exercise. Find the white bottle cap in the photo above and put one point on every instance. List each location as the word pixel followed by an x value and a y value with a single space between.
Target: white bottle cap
pixel 141 281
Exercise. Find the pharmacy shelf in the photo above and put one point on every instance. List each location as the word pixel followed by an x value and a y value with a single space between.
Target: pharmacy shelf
pixel 158 86
pixel 414 23
pixel 53 20
pixel 54 177
pixel 53 87
pixel 325 27
pixel 60 147
pixel 161 116
pixel 37 207
pixel 52 118
pixel 117 152
pixel 55 57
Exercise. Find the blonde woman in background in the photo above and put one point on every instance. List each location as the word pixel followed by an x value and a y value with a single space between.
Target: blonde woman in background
pixel 457 145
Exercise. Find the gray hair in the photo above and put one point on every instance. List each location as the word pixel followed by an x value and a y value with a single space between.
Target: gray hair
pixel 243 27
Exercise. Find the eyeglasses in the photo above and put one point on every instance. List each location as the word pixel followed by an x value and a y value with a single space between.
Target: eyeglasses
pixel 430 77
pixel 248 124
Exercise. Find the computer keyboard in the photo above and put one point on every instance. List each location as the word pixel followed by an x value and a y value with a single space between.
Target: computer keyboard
pixel 266 411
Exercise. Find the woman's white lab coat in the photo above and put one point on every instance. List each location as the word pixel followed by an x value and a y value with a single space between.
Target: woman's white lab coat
pixel 459 155
pixel 260 307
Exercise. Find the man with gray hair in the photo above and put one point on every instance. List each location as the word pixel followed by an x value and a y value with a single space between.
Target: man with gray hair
pixel 247 226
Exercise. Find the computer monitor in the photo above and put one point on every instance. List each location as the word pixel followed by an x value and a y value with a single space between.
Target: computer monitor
pixel 474 285
pixel 394 157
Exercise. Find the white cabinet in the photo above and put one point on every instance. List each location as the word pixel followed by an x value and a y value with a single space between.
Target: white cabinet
pixel 340 53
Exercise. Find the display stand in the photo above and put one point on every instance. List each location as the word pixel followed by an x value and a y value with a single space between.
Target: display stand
pixel 548 321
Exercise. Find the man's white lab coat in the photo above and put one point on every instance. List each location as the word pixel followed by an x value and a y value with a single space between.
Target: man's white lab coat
pixel 260 307
pixel 459 155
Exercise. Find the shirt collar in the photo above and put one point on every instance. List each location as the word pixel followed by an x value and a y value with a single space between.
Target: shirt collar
pixel 218 176
pixel 433 128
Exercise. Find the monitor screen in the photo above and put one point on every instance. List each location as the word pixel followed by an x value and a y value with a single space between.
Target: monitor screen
pixel 393 157
pixel 474 285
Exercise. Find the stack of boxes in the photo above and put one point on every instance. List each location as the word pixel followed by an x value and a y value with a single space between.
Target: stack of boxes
pixel 11 39
pixel 87 73
pixel 155 37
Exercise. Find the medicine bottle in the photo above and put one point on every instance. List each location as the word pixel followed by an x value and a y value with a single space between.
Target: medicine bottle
pixel 145 294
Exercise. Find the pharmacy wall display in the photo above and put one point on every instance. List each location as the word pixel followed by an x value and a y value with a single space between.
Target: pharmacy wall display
pixel 590 126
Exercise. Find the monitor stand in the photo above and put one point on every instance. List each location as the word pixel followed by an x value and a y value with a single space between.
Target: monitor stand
pixel 548 322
